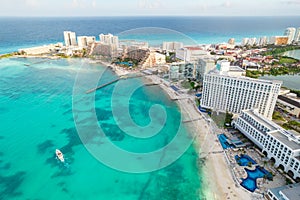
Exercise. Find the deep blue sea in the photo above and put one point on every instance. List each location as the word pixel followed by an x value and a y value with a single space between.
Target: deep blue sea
pixel 18 33
pixel 43 106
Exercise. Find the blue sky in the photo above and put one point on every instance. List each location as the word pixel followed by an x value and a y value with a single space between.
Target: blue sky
pixel 149 7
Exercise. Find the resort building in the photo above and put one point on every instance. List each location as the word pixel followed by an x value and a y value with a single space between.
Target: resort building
pixel 279 40
pixel 51 48
pixel 252 41
pixel 287 192
pixel 84 41
pixel 70 38
pixel 245 41
pixel 290 33
pixel 225 89
pixel 172 46
pixel 297 35
pixel 190 54
pixel 231 41
pixel 182 70
pixel 289 103
pixel 263 41
pixel 205 65
pixel 109 39
pixel 278 144
pixel 154 59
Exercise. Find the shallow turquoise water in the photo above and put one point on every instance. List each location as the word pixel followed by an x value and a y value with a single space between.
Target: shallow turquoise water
pixel 37 116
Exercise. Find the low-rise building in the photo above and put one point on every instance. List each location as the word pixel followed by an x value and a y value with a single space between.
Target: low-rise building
pixel 182 70
pixel 287 192
pixel 289 103
pixel 154 59
pixel 172 46
pixel 279 40
pixel 41 49
pixel 190 54
pixel 278 144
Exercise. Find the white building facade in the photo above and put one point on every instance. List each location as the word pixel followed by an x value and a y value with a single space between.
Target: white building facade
pixel 172 46
pixel 280 145
pixel 109 39
pixel 205 65
pixel 70 38
pixel 190 54
pixel 84 41
pixel 227 93
pixel 290 33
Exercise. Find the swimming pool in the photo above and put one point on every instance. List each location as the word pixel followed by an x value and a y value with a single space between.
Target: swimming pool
pixel 223 139
pixel 250 182
pixel 244 160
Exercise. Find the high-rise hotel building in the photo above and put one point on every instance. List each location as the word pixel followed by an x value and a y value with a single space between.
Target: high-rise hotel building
pixel 290 33
pixel 70 38
pixel 225 89
pixel 278 144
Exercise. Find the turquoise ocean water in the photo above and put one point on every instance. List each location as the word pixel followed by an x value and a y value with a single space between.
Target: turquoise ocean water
pixel 37 116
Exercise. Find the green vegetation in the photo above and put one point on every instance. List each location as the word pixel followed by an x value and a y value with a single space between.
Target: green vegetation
pixel 8 55
pixel 279 49
pixel 228 118
pixel 277 116
pixel 274 71
pixel 171 57
pixel 221 119
pixel 287 60
pixel 292 125
pixel 253 74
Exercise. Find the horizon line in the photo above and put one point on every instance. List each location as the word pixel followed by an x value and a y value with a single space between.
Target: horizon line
pixel 61 16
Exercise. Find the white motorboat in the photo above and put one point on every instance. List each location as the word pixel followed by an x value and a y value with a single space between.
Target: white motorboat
pixel 59 155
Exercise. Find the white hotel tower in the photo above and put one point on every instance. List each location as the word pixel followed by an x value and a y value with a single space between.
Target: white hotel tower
pixel 224 89
pixel 279 145
pixel 70 38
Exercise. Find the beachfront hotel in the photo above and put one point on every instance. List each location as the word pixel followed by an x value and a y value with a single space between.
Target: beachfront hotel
pixel 278 144
pixel 85 41
pixel 109 39
pixel 226 90
pixel 290 33
pixel 70 38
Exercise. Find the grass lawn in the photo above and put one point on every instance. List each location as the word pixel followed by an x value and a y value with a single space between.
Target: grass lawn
pixel 287 60
pixel 219 119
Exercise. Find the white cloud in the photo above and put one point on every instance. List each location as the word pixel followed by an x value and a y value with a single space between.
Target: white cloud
pixel 32 3
pixel 94 4
pixel 150 4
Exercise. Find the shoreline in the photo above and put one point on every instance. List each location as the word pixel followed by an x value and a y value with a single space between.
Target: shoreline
pixel 212 165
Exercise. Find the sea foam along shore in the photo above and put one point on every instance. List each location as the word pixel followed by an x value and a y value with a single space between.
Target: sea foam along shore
pixel 218 182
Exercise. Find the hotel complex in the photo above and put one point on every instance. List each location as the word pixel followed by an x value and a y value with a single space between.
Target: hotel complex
pixel 224 89
pixel 279 145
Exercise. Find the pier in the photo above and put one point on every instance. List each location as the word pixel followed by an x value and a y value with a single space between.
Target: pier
pixel 102 86
pixel 113 81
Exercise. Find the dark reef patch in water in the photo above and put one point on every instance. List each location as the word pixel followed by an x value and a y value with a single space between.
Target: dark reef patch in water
pixel 113 132
pixel 102 114
pixel 11 184
pixel 43 147
pixel 6 166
